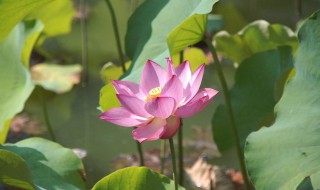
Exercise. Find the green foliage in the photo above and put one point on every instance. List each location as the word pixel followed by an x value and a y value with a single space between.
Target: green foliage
pixel 13 11
pixel 32 30
pixel 146 26
pixel 281 156
pixel 194 55
pixel 56 17
pixel 16 83
pixel 108 98
pixel 56 78
pixel 111 71
pixel 189 32
pixel 51 165
pixel 252 96
pixel 146 36
pixel 14 171
pixel 135 178
pixel 15 48
pixel 256 37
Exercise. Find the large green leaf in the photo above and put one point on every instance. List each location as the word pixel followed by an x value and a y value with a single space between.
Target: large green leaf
pixel 135 178
pixel 252 96
pixel 32 30
pixel 52 166
pixel 281 156
pixel 256 37
pixel 16 84
pixel 150 25
pixel 56 16
pixel 14 171
pixel 189 32
pixel 148 29
pixel 13 11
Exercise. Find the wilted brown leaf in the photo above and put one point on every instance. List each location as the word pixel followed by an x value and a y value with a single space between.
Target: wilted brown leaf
pixel 56 78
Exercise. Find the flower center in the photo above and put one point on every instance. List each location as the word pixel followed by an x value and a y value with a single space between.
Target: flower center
pixel 154 93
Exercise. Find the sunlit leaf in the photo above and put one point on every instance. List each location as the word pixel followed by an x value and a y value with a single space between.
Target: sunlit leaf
pixel 189 32
pixel 52 166
pixel 315 180
pixel 14 171
pixel 56 78
pixel 111 71
pixel 56 16
pixel 13 11
pixel 4 130
pixel 32 30
pixel 256 37
pixel 135 178
pixel 252 96
pixel 16 84
pixel 194 55
pixel 283 155
pixel 150 25
pixel 108 98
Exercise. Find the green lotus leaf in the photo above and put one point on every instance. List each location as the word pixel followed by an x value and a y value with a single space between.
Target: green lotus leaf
pixel 135 178
pixel 14 171
pixel 13 11
pixel 253 95
pixel 256 37
pixel 16 80
pixel 285 154
pixel 51 165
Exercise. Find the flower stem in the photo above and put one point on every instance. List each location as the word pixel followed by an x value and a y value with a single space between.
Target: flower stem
pixel 173 157
pixel 121 58
pixel 84 44
pixel 230 113
pixel 180 154
pixel 180 142
pixel 162 154
pixel 117 35
pixel 46 116
pixel 140 153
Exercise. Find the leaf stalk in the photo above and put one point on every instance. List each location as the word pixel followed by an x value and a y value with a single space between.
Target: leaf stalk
pixel 230 113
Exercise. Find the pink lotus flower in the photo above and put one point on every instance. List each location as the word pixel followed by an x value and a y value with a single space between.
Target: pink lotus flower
pixel 163 97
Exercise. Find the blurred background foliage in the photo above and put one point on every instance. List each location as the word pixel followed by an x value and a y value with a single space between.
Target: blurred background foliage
pixel 74 114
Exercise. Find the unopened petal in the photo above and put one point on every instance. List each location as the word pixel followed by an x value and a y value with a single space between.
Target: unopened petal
pixel 171 128
pixel 170 68
pixel 123 117
pixel 151 131
pixel 173 88
pixel 161 107
pixel 183 71
pixel 133 104
pixel 198 103
pixel 195 82
pixel 153 75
